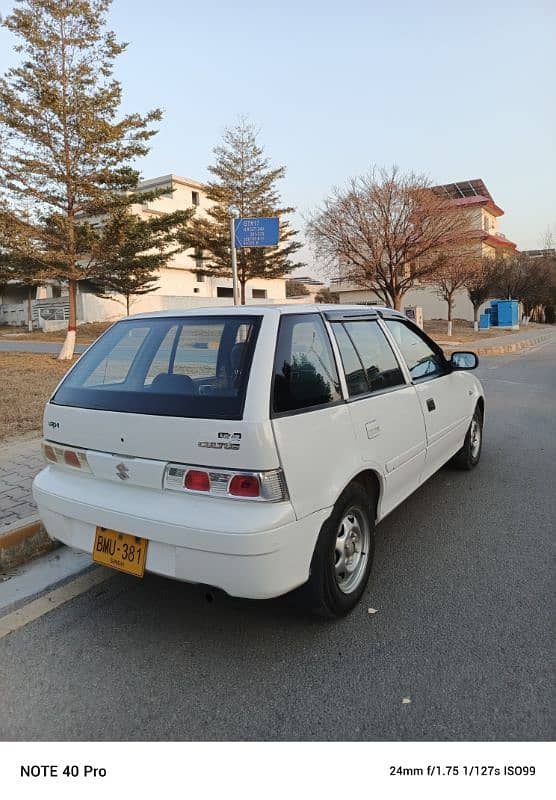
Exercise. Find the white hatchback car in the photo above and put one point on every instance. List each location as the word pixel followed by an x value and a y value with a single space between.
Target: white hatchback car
pixel 252 449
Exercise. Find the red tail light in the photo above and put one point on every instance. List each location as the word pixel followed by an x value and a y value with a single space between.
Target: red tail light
pixel 49 453
pixel 244 486
pixel 76 459
pixel 72 459
pixel 197 481
pixel 261 486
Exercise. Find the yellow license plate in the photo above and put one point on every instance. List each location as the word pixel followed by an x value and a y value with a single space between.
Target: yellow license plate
pixel 120 551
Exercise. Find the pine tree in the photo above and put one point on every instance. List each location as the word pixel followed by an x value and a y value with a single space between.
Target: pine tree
pixel 132 250
pixel 243 183
pixel 65 154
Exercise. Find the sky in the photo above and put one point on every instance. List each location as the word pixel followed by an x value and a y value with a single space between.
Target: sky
pixel 453 90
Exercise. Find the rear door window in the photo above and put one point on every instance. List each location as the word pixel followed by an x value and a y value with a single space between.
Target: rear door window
pixel 305 374
pixel 369 362
pixel 188 367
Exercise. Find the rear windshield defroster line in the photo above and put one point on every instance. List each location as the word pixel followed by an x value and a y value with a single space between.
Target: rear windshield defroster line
pixel 195 367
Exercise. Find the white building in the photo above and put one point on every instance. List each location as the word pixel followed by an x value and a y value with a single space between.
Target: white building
pixel 180 283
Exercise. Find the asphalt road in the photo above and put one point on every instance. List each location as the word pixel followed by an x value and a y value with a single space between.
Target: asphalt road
pixel 462 588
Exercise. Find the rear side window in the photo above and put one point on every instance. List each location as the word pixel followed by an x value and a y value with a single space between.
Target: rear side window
pixel 185 367
pixel 305 374
pixel 369 362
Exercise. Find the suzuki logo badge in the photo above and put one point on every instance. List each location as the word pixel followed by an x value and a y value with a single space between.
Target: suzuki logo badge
pixel 122 471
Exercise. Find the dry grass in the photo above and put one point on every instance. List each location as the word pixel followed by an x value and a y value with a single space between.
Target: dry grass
pixel 26 382
pixel 462 331
pixel 85 333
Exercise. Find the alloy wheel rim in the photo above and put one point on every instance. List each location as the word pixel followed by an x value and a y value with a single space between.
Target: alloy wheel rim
pixel 475 438
pixel 351 551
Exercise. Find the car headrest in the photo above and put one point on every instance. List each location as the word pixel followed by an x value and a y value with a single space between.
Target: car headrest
pixel 169 383
pixel 236 355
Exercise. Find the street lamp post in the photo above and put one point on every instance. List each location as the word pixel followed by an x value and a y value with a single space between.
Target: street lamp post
pixel 234 258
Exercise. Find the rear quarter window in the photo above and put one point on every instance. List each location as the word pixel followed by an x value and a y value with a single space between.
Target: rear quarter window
pixel 305 374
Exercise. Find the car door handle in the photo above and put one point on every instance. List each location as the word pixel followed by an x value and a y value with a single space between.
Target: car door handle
pixel 430 404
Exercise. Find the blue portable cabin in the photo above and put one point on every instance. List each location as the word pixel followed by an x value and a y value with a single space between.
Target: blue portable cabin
pixel 493 311
pixel 508 313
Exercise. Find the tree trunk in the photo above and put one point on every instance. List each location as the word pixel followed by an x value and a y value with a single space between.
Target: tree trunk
pixel 476 316
pixel 66 353
pixel 30 309
pixel 127 304
pixel 397 298
pixel 242 292
pixel 450 302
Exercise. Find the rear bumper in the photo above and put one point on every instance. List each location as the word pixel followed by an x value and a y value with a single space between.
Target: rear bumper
pixel 266 555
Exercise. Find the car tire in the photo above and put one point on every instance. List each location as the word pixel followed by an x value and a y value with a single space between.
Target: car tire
pixel 343 555
pixel 469 455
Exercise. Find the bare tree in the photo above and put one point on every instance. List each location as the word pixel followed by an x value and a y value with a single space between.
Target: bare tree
pixel 532 281
pixel 385 231
pixel 479 286
pixel 453 272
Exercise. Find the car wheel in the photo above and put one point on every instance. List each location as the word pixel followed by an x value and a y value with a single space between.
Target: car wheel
pixel 469 455
pixel 343 555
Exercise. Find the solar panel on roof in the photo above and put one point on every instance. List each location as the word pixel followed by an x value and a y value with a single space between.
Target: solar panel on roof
pixel 471 188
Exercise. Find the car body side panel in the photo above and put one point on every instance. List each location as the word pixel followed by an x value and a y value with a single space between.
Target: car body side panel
pixel 319 455
pixel 390 433
pixel 455 396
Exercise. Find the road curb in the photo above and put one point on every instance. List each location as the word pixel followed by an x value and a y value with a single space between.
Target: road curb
pixel 502 349
pixel 22 541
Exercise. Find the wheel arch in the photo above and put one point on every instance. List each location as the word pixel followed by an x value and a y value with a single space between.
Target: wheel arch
pixel 373 483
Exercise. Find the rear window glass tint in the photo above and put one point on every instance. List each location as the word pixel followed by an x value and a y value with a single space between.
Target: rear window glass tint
pixel 114 367
pixel 353 369
pixel 197 350
pixel 305 373
pixel 190 367
pixel 381 369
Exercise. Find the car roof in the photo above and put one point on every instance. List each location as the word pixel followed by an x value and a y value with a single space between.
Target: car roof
pixel 335 310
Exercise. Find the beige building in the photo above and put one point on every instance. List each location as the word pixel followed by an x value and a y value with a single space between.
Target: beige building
pixel 473 199
pixel 180 283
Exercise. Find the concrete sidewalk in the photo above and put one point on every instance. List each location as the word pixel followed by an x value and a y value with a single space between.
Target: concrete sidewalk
pixel 20 461
pixel 22 536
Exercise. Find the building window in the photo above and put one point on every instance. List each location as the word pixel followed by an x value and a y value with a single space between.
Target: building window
pixel 200 277
pixel 195 289
pixel 195 198
pixel 258 294
pixel 224 291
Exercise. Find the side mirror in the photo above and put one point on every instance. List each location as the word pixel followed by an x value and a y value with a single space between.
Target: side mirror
pixel 463 360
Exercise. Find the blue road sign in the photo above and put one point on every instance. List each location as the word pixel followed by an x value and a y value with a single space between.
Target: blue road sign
pixel 257 231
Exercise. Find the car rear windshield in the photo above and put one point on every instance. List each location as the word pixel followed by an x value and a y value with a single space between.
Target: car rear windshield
pixel 170 366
